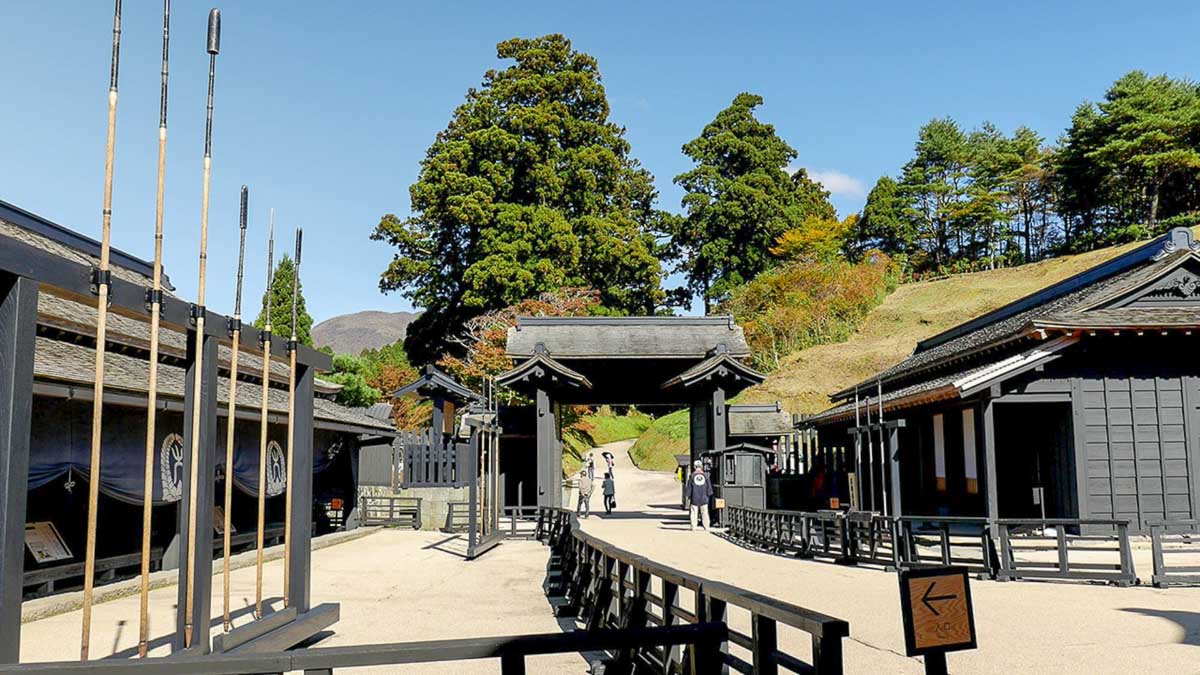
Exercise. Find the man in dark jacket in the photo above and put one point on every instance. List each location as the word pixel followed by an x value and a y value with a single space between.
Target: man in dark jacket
pixel 699 493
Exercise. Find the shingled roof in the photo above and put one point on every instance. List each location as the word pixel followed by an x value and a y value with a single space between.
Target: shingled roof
pixel 626 337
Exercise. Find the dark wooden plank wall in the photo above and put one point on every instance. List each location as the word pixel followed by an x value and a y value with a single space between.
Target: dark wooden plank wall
pixel 1136 431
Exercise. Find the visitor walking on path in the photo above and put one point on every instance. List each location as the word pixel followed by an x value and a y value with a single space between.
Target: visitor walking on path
pixel 584 507
pixel 610 493
pixel 608 457
pixel 591 466
pixel 699 492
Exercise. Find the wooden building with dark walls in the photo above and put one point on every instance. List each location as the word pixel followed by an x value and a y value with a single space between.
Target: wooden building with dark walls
pixel 1079 401
pixel 47 343
pixel 644 361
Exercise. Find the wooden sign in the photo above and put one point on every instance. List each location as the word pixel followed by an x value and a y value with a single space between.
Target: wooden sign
pixel 835 503
pixel 936 604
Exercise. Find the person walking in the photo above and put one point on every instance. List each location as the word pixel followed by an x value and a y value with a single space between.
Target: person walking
pixel 699 493
pixel 584 507
pixel 608 458
pixel 610 493
pixel 591 466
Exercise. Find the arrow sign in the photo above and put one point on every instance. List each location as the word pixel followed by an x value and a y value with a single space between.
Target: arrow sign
pixel 928 599
pixel 936 606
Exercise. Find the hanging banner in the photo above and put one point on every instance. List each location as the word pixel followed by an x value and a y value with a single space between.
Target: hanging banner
pixel 60 443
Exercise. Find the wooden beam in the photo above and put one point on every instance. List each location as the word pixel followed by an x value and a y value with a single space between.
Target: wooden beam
pixel 299 545
pixel 206 408
pixel 989 459
pixel 18 326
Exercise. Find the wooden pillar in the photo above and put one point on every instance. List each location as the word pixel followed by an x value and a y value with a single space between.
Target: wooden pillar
pixel 300 544
pixel 438 422
pixel 18 326
pixel 892 451
pixel 206 408
pixel 549 457
pixel 989 461
pixel 717 413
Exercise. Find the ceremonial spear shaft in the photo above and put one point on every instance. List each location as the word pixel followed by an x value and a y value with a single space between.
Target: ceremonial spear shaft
pixel 155 301
pixel 265 339
pixel 101 282
pixel 293 347
pixel 214 46
pixel 235 332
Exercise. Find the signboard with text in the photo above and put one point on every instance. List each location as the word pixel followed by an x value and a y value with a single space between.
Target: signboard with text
pixel 936 605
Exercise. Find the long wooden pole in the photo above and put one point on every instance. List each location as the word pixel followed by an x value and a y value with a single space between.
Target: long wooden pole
pixel 155 310
pixel 235 332
pixel 214 46
pixel 291 428
pixel 265 338
pixel 89 565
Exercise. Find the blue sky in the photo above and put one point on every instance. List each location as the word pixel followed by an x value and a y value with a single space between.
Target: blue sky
pixel 325 109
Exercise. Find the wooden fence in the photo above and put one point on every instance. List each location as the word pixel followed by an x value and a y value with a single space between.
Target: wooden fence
pixel 1029 549
pixel 609 587
pixel 428 463
pixel 1171 538
pixel 388 510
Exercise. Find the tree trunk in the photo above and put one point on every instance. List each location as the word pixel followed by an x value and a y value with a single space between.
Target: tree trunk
pixel 1153 206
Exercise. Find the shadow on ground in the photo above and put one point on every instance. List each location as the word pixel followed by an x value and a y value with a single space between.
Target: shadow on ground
pixel 1188 621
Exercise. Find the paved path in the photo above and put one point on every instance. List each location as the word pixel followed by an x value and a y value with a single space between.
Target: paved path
pixel 394 586
pixel 1022 626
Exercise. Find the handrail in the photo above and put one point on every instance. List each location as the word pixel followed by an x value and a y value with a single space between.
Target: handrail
pixel 592 575
pixel 1167 540
pixel 511 650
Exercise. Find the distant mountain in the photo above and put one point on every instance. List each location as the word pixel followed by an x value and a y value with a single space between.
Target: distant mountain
pixel 352 333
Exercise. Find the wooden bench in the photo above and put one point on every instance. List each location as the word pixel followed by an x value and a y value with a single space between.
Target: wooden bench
pixel 106 570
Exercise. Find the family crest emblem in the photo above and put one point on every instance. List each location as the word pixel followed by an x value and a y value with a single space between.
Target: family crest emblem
pixel 276 470
pixel 170 467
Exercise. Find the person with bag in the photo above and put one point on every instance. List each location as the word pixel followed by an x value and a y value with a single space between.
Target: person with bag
pixel 583 508
pixel 610 493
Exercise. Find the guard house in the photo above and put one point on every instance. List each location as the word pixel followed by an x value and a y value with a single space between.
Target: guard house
pixel 739 474
pixel 63 358
pixel 692 361
pixel 1078 401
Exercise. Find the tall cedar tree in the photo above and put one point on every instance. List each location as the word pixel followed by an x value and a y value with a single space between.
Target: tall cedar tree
pixel 883 224
pixel 529 189
pixel 740 199
pixel 281 306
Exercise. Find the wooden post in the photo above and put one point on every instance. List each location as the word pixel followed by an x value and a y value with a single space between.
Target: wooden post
pixel 299 544
pixel 203 407
pixel 549 480
pixel 892 451
pixel 989 462
pixel 18 326
pixel 766 642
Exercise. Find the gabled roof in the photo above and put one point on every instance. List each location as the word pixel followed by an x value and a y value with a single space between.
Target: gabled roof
pixel 637 337
pixel 1056 305
pixel 433 383
pixel 720 366
pixel 543 370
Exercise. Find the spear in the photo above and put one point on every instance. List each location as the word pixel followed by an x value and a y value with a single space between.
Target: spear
pixel 291 430
pixel 101 282
pixel 155 297
pixel 264 337
pixel 214 46
pixel 235 333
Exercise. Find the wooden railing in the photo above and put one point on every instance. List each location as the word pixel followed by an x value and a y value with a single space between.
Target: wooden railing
pixel 520 521
pixel 704 638
pixel 933 541
pixel 1172 538
pixel 1043 549
pixel 388 510
pixel 606 587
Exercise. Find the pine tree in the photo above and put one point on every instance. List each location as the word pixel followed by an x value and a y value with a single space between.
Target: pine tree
pixel 281 306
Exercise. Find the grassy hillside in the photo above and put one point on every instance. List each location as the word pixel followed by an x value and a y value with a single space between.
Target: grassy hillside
pixel 598 428
pixel 804 380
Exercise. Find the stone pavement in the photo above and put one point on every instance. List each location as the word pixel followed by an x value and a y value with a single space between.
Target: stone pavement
pixel 1022 626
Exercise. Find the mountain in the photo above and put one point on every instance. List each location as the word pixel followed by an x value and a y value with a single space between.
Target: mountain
pixel 352 333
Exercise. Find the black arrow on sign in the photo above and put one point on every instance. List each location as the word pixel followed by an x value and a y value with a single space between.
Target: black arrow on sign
pixel 928 599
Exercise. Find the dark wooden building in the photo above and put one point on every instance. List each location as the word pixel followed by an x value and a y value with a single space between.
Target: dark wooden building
pixel 60 433
pixel 1078 401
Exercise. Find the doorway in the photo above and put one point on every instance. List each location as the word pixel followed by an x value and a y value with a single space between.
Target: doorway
pixel 1035 460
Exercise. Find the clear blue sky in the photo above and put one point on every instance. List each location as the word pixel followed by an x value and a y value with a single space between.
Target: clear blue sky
pixel 325 109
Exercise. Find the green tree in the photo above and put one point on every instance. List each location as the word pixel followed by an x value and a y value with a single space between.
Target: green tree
pixel 1152 129
pixel 934 183
pixel 740 199
pixel 280 301
pixel 883 224
pixel 529 189
pixel 353 373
